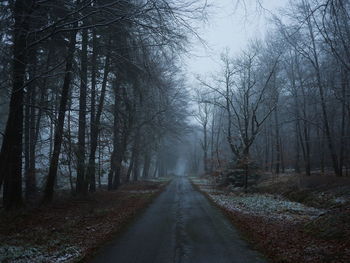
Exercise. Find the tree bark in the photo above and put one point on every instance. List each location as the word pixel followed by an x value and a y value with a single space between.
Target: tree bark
pixel 136 153
pixel 30 178
pixel 297 151
pixel 91 169
pixel 11 150
pixel 116 137
pixel 51 177
pixel 81 186
pixel 131 164
pixel 343 123
pixel 205 148
pixel 316 65
pixel 146 165
pixel 95 126
pixel 277 143
pixel 27 118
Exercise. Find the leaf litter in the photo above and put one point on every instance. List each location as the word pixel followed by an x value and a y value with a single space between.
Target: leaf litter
pixel 283 230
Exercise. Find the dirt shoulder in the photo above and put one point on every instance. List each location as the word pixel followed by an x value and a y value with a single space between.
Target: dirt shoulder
pixel 283 230
pixel 73 228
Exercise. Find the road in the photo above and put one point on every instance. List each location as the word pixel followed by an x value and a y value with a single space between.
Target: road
pixel 180 226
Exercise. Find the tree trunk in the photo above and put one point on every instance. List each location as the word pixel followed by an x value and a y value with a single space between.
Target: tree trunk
pixel 212 145
pixel 81 186
pixel 277 143
pixel 27 118
pixel 146 165
pixel 95 126
pixel 304 133
pixel 267 148
pixel 282 156
pixel 100 156
pixel 205 149
pixel 304 151
pixel 343 139
pixel 51 177
pixel 297 151
pixel 111 172
pixel 30 178
pixel 136 168
pixel 69 150
pixel 131 164
pixel 330 142
pixel 272 161
pixel 91 169
pixel 116 136
pixel 155 170
pixel 307 149
pixel 11 150
pixel 246 160
pixel 217 150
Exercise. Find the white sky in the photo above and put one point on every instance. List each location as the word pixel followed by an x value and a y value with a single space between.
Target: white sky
pixel 229 26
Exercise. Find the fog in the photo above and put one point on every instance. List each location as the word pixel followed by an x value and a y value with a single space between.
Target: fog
pixel 230 25
pixel 154 113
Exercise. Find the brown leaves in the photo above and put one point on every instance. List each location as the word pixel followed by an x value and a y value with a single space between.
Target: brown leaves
pixel 284 239
pixel 83 223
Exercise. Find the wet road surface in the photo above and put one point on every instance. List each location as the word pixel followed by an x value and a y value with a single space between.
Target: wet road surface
pixel 180 226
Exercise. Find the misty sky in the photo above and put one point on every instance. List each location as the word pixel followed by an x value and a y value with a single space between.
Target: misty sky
pixel 229 26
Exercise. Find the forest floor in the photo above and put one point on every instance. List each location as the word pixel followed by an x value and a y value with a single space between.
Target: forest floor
pixel 72 228
pixel 288 223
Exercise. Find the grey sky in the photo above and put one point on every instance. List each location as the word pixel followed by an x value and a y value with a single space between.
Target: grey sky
pixel 229 26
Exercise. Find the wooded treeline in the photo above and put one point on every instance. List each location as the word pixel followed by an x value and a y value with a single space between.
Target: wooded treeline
pixel 284 102
pixel 88 86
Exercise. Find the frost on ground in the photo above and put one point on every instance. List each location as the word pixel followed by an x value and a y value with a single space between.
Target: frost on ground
pixel 265 205
pixel 283 230
pixel 72 227
pixel 139 191
pixel 22 254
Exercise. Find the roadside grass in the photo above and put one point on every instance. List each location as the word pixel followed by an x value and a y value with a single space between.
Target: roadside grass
pixel 285 230
pixel 72 229
pixel 322 191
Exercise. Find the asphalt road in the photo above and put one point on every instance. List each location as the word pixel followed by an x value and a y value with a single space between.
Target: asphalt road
pixel 180 226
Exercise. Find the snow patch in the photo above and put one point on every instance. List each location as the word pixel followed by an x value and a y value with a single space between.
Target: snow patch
pixel 265 205
pixel 23 254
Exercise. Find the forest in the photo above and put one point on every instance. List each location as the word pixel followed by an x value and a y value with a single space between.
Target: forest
pixel 102 122
pixel 283 102
pixel 93 78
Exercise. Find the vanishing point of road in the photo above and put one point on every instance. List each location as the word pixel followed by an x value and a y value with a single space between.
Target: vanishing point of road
pixel 179 226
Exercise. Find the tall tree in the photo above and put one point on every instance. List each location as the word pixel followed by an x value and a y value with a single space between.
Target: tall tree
pixel 11 150
pixel 58 136
pixel 82 182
